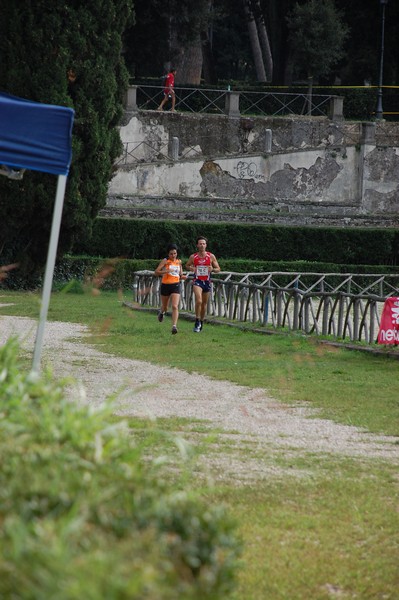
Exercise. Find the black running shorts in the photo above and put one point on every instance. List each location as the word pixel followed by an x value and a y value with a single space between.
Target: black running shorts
pixel 170 288
pixel 206 286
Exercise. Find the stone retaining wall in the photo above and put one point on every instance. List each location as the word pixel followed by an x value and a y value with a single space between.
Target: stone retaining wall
pixel 300 170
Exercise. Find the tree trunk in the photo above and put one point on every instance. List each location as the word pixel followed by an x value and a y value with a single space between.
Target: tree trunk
pixel 264 39
pixel 189 64
pixel 186 60
pixel 208 63
pixel 255 45
pixel 288 69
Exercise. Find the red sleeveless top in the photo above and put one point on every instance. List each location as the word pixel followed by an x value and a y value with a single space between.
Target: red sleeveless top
pixel 202 264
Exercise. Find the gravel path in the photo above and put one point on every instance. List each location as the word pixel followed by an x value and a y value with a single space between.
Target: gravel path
pixel 248 416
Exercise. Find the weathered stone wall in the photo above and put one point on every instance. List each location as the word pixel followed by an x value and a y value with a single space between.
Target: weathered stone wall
pixel 314 170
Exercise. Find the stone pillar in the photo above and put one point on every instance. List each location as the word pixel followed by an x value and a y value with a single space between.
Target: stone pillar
pixel 131 98
pixel 368 134
pixel 232 104
pixel 268 141
pixel 336 112
pixel 175 148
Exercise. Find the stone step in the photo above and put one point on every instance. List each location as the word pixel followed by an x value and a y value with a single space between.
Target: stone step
pixel 242 211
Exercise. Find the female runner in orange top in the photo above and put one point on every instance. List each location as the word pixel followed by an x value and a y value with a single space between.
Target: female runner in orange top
pixel 171 271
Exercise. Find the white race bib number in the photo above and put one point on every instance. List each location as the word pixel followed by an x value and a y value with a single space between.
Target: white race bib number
pixel 202 271
pixel 174 270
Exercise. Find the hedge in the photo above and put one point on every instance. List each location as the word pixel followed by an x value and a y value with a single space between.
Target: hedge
pixel 73 272
pixel 144 239
pixel 119 247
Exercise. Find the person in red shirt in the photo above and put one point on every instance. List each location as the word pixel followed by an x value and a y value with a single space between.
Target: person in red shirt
pixel 202 264
pixel 168 91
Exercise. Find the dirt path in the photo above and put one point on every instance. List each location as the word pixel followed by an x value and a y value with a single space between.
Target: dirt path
pixel 249 417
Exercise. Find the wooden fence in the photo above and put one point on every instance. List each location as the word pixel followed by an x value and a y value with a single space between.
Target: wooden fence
pixel 345 306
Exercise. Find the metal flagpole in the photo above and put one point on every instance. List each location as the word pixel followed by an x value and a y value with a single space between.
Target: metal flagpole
pixel 48 277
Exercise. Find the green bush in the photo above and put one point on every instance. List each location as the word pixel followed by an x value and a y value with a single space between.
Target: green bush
pixel 120 247
pixel 86 513
pixel 74 274
pixel 143 239
pixel 109 274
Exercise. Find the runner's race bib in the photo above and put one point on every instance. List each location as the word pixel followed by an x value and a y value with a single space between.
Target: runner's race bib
pixel 202 271
pixel 174 270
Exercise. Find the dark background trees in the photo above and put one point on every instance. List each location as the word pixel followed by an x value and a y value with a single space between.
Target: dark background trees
pixel 316 39
pixel 164 30
pixel 168 33
pixel 363 45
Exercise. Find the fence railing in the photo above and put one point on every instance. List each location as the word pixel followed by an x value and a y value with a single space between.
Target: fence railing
pixel 345 306
pixel 281 104
pixel 145 151
pixel 199 100
pixel 156 150
pixel 330 135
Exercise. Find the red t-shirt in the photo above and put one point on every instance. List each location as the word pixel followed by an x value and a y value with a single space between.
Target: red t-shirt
pixel 169 82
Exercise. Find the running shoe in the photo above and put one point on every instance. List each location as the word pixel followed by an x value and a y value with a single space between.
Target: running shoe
pixel 197 326
pixel 160 316
pixel 174 329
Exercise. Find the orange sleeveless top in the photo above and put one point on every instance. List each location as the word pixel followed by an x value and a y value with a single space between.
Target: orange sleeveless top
pixel 173 274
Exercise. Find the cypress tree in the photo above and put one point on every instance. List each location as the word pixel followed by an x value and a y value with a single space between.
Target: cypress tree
pixel 66 52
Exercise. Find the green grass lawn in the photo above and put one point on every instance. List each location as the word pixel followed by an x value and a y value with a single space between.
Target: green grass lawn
pixel 349 387
pixel 331 532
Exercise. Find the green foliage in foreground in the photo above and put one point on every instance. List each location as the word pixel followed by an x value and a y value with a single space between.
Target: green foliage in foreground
pixel 85 513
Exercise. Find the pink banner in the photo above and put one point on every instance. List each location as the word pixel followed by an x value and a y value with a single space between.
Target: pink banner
pixel 389 326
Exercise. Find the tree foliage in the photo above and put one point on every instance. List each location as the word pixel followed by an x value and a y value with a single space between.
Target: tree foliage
pixel 163 31
pixel 316 35
pixel 149 45
pixel 67 53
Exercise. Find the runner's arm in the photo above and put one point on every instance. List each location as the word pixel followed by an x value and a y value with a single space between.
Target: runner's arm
pixel 182 276
pixel 215 265
pixel 190 263
pixel 159 271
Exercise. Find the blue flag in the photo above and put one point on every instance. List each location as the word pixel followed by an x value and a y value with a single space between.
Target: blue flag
pixel 35 136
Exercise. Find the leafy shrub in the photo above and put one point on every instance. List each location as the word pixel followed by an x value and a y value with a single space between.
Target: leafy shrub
pixel 141 239
pixel 85 513
pixel 120 247
pixel 121 274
